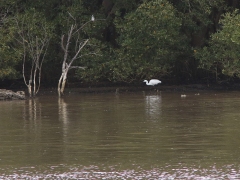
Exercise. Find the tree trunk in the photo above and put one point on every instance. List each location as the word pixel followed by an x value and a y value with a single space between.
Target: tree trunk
pixel 29 90
pixel 62 83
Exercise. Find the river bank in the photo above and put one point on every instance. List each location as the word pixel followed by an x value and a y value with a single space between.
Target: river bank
pixel 125 89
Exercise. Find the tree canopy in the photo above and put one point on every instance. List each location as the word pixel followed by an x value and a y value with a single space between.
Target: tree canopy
pixel 131 40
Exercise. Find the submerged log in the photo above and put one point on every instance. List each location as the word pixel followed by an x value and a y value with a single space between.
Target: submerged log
pixel 10 95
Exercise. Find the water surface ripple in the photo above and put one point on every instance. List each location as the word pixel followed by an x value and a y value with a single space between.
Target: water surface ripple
pixel 157 135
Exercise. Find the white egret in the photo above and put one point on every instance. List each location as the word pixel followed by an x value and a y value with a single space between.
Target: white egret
pixel 152 82
pixel 93 18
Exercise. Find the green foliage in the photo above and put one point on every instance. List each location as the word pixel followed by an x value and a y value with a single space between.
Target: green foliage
pixel 97 58
pixel 199 13
pixel 150 42
pixel 223 50
pixel 149 39
pixel 33 29
pixel 129 41
pixel 33 33
pixel 9 58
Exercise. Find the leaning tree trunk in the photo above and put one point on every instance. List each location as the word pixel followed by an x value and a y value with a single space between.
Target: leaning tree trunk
pixel 72 36
pixel 62 83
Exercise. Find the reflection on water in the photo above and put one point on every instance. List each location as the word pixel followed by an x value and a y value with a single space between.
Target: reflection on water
pixel 129 136
pixel 32 111
pixel 63 111
pixel 153 106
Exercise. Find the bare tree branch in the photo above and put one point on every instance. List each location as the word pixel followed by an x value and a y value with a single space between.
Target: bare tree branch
pixel 82 27
pixel 62 41
pixel 35 45
pixel 76 47
pixel 87 54
pixel 71 16
pixel 77 67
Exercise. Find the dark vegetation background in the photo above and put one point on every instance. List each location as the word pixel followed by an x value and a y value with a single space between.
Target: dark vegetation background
pixel 179 42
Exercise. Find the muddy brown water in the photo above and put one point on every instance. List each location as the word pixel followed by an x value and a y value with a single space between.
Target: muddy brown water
pixel 127 136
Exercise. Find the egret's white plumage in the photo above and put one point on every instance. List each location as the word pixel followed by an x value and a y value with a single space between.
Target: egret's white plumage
pixel 152 82
pixel 93 18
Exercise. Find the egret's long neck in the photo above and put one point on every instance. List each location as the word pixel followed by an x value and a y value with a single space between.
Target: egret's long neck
pixel 147 83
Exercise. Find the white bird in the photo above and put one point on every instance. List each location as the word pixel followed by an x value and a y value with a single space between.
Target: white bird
pixel 93 18
pixel 183 95
pixel 152 82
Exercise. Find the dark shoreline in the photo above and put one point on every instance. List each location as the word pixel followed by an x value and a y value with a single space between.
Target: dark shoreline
pixel 132 89
pixel 77 88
